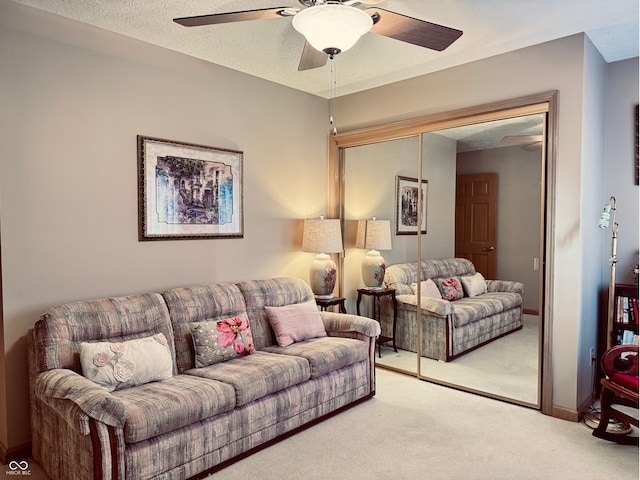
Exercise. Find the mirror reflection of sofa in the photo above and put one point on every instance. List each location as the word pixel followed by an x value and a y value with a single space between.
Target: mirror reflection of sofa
pixel 460 310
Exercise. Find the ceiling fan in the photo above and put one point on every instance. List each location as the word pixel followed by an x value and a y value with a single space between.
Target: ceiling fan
pixel 334 26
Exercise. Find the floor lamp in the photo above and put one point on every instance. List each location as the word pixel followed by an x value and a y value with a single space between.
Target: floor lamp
pixel 608 217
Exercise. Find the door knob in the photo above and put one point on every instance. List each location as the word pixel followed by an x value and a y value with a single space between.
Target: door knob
pixel 488 249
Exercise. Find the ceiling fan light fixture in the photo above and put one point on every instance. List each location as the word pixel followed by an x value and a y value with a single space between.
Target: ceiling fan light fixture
pixel 332 28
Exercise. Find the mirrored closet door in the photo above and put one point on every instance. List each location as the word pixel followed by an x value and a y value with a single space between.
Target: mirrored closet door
pixel 410 174
pixel 487 200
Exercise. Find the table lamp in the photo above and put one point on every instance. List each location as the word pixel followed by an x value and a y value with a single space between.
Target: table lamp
pixel 373 235
pixel 322 236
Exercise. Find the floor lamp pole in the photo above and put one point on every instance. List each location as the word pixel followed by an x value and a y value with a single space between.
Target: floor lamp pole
pixel 612 273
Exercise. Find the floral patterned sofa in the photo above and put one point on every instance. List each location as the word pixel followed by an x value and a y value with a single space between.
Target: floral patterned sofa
pixel 460 310
pixel 178 384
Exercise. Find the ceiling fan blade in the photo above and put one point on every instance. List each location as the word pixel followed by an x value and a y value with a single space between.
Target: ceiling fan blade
pixel 311 58
pixel 412 30
pixel 532 147
pixel 521 138
pixel 260 14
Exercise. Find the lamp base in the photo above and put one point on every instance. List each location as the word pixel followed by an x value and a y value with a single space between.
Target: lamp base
pixel 373 269
pixel 615 426
pixel 322 276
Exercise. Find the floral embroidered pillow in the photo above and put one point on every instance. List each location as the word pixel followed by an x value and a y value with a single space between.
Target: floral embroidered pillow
pixel 216 341
pixel 450 288
pixel 118 365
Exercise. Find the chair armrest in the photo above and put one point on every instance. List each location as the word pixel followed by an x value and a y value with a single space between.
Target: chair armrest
pixel 505 286
pixel 614 362
pixel 437 306
pixel 343 323
pixel 78 399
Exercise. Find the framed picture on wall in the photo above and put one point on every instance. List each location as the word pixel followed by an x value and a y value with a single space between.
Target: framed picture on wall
pixel 407 192
pixel 637 145
pixel 188 191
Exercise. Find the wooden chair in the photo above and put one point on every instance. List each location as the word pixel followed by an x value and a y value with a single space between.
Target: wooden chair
pixel 620 387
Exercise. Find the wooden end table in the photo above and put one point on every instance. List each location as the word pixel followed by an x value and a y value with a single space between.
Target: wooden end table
pixel 377 294
pixel 323 303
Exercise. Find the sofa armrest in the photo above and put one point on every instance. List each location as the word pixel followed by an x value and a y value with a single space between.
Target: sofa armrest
pixel 432 305
pixel 343 323
pixel 78 399
pixel 505 286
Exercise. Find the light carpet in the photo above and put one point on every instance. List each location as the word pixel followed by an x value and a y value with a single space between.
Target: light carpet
pixel 413 430
pixel 507 366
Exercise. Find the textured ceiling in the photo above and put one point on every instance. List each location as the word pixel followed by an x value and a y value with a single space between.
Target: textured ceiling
pixel 271 49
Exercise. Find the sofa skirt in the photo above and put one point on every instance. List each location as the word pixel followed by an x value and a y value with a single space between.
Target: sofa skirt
pixel 195 450
pixel 440 339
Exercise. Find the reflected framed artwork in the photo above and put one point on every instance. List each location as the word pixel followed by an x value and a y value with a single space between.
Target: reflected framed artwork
pixel 407 192
pixel 188 191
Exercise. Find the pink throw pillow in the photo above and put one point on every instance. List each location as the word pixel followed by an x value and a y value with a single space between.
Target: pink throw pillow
pixel 428 288
pixel 297 322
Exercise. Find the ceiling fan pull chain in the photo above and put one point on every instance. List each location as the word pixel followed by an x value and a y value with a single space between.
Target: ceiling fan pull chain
pixel 332 98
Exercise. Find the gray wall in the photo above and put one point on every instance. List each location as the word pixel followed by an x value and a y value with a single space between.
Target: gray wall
pixel 518 234
pixel 72 101
pixel 622 97
pixel 73 98
pixel 573 67
pixel 370 190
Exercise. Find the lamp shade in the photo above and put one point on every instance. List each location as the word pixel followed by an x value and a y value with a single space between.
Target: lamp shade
pixel 373 235
pixel 322 237
pixel 332 28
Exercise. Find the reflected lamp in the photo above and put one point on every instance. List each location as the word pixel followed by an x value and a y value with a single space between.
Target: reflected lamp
pixel 373 235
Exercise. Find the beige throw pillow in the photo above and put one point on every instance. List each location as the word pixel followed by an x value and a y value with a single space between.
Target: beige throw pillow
pixel 473 284
pixel 118 365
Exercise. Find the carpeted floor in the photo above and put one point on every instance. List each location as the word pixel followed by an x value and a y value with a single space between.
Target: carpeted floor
pixel 507 367
pixel 416 430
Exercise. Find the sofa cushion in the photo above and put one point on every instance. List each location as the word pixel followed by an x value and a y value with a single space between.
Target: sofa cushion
pixel 325 354
pixel 118 365
pixel 473 284
pixel 258 374
pixel 274 292
pixel 161 407
pixel 626 380
pixel 200 304
pixel 450 288
pixel 295 323
pixel 220 340
pixel 60 331
pixel 469 309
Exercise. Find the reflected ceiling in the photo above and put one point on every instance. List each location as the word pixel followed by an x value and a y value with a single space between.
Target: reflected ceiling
pixel 486 135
